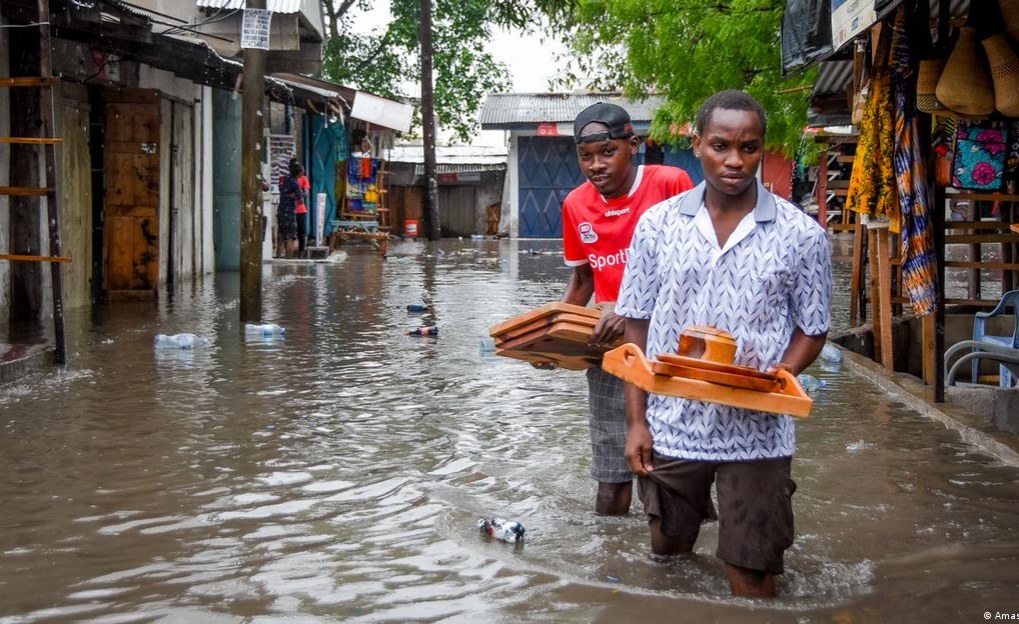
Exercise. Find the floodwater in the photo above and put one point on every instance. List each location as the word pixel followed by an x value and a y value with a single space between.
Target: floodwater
pixel 337 475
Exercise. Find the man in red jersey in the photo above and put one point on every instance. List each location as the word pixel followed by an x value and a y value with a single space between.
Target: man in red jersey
pixel 599 217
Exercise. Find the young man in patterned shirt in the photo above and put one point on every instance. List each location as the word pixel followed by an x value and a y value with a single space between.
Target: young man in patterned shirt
pixel 598 221
pixel 729 254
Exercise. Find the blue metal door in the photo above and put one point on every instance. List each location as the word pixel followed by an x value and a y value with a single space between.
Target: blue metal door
pixel 548 171
pixel 323 170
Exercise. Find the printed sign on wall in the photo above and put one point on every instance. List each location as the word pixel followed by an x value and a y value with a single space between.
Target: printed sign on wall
pixel 849 17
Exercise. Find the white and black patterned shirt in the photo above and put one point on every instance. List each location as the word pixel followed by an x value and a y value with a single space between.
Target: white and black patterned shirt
pixel 773 273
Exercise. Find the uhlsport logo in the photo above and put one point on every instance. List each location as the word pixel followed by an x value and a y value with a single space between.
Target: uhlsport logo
pixel 618 212
pixel 587 233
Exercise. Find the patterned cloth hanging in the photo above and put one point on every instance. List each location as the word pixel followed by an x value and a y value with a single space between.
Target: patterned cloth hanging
pixel 872 184
pixel 919 262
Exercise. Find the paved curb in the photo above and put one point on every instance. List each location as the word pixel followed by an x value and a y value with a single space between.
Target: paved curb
pixel 1000 445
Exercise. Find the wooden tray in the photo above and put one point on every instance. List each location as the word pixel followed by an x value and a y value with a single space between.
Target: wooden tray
pixel 725 379
pixel 561 337
pixel 546 310
pixel 629 364
pixel 547 321
pixel 569 362
pixel 732 369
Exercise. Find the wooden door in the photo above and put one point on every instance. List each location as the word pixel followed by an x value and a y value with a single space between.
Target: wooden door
pixel 131 219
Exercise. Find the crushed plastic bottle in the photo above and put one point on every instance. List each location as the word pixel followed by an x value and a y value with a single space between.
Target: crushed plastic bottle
pixel 831 353
pixel 418 307
pixel 502 530
pixel 810 383
pixel 178 341
pixel 265 329
pixel 431 330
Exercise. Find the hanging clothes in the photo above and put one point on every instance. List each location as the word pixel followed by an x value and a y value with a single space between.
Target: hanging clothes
pixel 919 262
pixel 872 184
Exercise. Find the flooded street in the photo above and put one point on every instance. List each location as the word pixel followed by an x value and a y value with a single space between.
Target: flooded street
pixel 337 475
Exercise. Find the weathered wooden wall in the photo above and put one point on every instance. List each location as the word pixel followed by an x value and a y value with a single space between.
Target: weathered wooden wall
pixel 75 198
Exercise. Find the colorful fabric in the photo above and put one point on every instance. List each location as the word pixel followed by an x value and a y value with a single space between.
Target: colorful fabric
pixel 980 151
pixel 772 275
pixel 872 183
pixel 919 263
pixel 597 231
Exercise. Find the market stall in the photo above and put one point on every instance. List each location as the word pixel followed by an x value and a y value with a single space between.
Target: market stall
pixel 932 89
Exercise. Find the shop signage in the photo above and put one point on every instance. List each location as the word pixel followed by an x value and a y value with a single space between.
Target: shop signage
pixel 849 18
pixel 255 29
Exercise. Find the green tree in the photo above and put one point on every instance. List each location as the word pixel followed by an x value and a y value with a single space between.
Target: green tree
pixel 464 72
pixel 686 50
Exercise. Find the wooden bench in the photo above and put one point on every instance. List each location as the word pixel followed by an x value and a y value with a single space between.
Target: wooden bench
pixel 346 230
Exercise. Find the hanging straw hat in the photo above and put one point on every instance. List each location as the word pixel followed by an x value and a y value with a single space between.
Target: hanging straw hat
pixel 965 85
pixel 1005 73
pixel 1010 13
pixel 926 83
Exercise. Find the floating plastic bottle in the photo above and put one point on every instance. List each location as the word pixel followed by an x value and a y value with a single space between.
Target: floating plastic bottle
pixel 831 353
pixel 431 330
pixel 488 345
pixel 418 307
pixel 178 341
pixel 265 329
pixel 502 530
pixel 810 383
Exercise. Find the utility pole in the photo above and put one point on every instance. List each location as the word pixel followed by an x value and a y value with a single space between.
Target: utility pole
pixel 428 121
pixel 251 165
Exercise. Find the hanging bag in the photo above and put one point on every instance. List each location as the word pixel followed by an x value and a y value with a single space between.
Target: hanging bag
pixel 1004 73
pixel 980 150
pixel 1010 18
pixel 965 84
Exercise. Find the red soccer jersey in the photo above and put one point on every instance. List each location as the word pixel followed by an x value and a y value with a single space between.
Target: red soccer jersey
pixel 597 231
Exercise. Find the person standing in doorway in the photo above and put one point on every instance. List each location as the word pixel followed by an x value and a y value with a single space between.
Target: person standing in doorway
pixel 599 217
pixel 301 208
pixel 731 255
pixel 286 216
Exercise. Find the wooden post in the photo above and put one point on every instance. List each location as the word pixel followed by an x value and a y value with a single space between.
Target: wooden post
pixel 855 289
pixel 822 189
pixel 47 110
pixel 428 121
pixel 251 185
pixel 938 223
pixel 875 308
pixel 884 301
pixel 928 348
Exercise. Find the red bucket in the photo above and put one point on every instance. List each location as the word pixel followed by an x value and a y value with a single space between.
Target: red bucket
pixel 410 227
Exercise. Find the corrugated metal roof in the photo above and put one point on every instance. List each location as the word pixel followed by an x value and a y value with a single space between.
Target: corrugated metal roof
pixel 832 77
pixel 276 6
pixel 502 109
pixel 453 155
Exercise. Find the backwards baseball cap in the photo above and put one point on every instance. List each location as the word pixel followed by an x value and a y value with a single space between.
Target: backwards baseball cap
pixel 613 116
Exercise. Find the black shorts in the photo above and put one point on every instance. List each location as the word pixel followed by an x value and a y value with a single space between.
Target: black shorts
pixel 755 513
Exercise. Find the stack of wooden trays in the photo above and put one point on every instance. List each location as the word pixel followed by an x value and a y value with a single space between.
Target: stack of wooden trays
pixel 555 333
pixel 711 377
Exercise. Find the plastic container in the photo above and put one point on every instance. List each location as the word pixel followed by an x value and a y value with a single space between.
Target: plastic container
pixel 431 330
pixel 178 341
pixel 810 383
pixel 418 307
pixel 488 345
pixel 502 530
pixel 831 353
pixel 410 227
pixel 265 329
